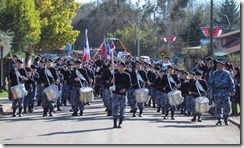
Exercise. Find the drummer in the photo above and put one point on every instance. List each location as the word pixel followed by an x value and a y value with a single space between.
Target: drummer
pixel 198 88
pixel 139 79
pixel 122 83
pixel 48 76
pixel 78 79
pixel 17 76
pixel 170 82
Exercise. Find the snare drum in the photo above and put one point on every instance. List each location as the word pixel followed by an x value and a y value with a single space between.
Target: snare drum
pixel 175 97
pixel 52 92
pixel 86 94
pixel 141 95
pixel 201 104
pixel 18 91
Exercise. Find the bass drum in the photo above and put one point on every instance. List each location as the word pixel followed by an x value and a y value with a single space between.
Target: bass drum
pixel 18 91
pixel 175 97
pixel 52 92
pixel 86 94
pixel 201 104
pixel 141 95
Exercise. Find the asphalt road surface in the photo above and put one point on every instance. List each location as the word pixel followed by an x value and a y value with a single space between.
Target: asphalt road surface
pixel 96 128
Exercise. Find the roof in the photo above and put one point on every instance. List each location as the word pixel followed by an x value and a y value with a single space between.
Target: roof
pixel 226 51
pixel 229 33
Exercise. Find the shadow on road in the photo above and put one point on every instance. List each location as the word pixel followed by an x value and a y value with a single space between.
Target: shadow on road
pixel 73 132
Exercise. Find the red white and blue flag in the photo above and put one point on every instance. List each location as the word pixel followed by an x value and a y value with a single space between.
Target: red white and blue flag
pixel 218 31
pixel 104 48
pixel 205 31
pixel 86 52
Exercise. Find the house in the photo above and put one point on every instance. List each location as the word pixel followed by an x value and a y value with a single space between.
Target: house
pixel 228 43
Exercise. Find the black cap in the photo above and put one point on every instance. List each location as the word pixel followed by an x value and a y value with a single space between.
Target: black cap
pixel 42 61
pixel 33 66
pixel 138 61
pixel 78 62
pixel 192 72
pixel 19 60
pixel 122 63
pixel 27 69
pixel 157 68
pixel 170 66
pixel 166 57
pixel 49 60
pixel 198 72
pixel 220 62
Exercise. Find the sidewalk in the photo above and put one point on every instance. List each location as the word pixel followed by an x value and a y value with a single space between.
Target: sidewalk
pixel 6 105
pixel 236 120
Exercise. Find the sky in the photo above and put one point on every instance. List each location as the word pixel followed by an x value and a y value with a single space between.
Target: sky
pixel 87 1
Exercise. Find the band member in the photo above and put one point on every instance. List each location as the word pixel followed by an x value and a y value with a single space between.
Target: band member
pixel 151 77
pixel 39 88
pixel 170 82
pixel 139 79
pixel 78 79
pixel 30 86
pixel 122 83
pixel 108 75
pixel 159 90
pixel 184 89
pixel 66 71
pixel 222 84
pixel 59 83
pixel 48 76
pixel 17 76
pixel 198 88
pixel 188 97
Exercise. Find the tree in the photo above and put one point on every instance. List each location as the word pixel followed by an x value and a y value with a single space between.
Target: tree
pixel 229 13
pixel 56 18
pixel 22 19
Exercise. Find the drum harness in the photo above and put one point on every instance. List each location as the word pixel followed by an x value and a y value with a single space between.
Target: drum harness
pixel 47 72
pixel 139 78
pixel 170 79
pixel 199 88
pixel 17 75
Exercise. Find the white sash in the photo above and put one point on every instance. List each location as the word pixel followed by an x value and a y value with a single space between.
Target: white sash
pixel 80 75
pixel 17 74
pixel 170 79
pixel 138 76
pixel 48 72
pixel 199 87
pixel 97 69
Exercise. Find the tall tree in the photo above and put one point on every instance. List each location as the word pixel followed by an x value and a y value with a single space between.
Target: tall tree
pixel 22 19
pixel 56 18
pixel 229 13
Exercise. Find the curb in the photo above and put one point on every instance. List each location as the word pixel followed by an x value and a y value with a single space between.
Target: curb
pixel 212 112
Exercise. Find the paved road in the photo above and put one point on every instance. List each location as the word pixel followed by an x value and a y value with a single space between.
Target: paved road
pixel 96 128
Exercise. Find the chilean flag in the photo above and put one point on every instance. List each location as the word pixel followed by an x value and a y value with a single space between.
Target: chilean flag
pixel 173 38
pixel 165 38
pixel 205 31
pixel 104 49
pixel 86 52
pixel 218 31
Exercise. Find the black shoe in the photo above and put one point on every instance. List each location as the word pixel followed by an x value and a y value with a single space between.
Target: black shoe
pixel 109 113
pixel 20 112
pixel 134 115
pixel 74 114
pixel 199 120
pixel 44 113
pixel 58 109
pixel 81 113
pixel 193 119
pixel 115 123
pixel 226 121
pixel 165 117
pixel 219 122
pixel 163 112
pixel 131 111
pixel 14 113
pixel 50 114
pixel 158 110
pixel 172 118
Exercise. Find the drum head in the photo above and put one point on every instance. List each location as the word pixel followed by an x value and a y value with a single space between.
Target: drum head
pixel 86 89
pixel 202 100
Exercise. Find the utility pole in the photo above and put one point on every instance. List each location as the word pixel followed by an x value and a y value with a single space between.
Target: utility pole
pixel 211 29
pixel 138 34
pixel 169 29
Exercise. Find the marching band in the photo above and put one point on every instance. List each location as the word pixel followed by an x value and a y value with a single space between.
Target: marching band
pixel 120 83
